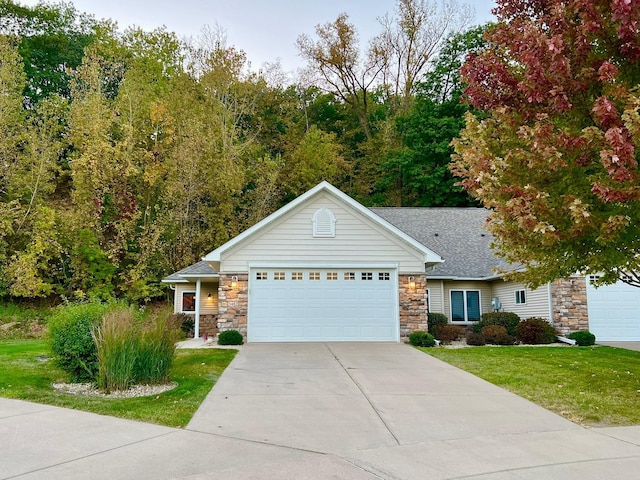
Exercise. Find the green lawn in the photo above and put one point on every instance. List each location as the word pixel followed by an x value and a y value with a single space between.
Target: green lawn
pixel 27 374
pixel 593 386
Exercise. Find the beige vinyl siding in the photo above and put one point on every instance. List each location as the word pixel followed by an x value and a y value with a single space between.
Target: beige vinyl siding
pixel 435 296
pixel 483 287
pixel 290 240
pixel 537 301
pixel 208 305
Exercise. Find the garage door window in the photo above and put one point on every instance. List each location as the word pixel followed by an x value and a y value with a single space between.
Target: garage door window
pixel 314 275
pixel 465 305
pixel 384 276
pixel 297 276
pixel 279 276
pixel 332 275
pixel 349 276
pixel 262 276
pixel 367 276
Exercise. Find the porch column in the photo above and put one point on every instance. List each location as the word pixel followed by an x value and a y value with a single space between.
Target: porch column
pixel 196 328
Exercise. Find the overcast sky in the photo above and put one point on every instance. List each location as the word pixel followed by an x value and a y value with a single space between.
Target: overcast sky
pixel 265 29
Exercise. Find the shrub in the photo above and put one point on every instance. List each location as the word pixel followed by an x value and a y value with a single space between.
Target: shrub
pixel 187 323
pixel 71 341
pixel 436 319
pixel 156 349
pixel 508 320
pixel 422 339
pixel 476 339
pixel 535 331
pixel 230 337
pixel 449 333
pixel 497 335
pixel 584 338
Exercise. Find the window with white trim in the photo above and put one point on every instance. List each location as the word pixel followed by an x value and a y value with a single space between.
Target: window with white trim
pixel 520 297
pixel 465 305
pixel 324 223
pixel 188 302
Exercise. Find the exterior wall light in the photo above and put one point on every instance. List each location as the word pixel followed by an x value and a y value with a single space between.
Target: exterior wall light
pixel 234 281
pixel 209 296
pixel 412 283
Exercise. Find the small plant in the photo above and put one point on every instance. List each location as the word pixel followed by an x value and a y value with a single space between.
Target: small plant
pixel 435 319
pixel 71 341
pixel 476 339
pixel 422 339
pixel 535 331
pixel 508 320
pixel 497 335
pixel 584 338
pixel 449 333
pixel 230 337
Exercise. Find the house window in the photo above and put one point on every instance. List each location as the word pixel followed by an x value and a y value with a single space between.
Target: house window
pixel 324 223
pixel 349 276
pixel 332 275
pixel 366 276
pixel 314 275
pixel 383 276
pixel 279 276
pixel 465 305
pixel 296 276
pixel 520 297
pixel 188 302
pixel 262 276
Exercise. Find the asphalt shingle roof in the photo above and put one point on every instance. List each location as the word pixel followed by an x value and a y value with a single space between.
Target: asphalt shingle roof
pixel 456 234
pixel 200 268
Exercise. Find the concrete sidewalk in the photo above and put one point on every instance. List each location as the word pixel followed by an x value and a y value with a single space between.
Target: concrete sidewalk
pixel 357 411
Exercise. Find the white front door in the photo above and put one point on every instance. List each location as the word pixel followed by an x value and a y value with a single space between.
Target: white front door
pixel 323 304
pixel 614 312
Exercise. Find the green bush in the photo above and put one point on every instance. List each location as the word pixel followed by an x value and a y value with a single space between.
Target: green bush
pixel 132 350
pixel 449 333
pixel 497 335
pixel 435 319
pixel 422 339
pixel 476 339
pixel 584 338
pixel 71 341
pixel 508 320
pixel 535 331
pixel 230 337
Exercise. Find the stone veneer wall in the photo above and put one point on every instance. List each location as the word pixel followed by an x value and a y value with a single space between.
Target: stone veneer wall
pixel 233 303
pixel 413 305
pixel 569 304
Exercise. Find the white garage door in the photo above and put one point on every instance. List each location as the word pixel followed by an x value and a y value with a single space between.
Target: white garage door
pixel 614 312
pixel 323 304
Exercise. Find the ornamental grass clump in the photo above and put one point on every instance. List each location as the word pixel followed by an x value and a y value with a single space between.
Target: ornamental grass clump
pixel 132 350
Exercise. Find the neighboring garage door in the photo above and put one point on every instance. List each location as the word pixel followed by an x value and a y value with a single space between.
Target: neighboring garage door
pixel 614 312
pixel 322 304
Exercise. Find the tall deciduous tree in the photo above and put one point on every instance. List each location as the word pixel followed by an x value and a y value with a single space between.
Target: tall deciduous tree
pixel 556 160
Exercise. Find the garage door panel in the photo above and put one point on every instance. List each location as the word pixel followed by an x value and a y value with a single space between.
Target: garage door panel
pixel 328 309
pixel 614 312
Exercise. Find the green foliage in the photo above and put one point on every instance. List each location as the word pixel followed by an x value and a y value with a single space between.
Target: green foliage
pixel 422 339
pixel 70 329
pixel 449 333
pixel 583 338
pixel 434 319
pixel 230 337
pixel 497 335
pixel 132 351
pixel 476 339
pixel 508 320
pixel 535 331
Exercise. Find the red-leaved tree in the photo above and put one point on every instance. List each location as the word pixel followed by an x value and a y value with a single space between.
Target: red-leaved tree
pixel 553 151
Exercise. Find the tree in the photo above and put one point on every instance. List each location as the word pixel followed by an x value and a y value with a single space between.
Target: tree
pixel 555 159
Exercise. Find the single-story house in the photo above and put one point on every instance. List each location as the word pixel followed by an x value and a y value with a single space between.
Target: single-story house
pixel 326 268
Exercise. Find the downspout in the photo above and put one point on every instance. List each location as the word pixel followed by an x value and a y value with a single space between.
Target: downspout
pixel 196 328
pixel 442 296
pixel 550 303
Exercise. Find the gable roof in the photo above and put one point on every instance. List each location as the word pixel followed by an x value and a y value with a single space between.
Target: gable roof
pixel 457 234
pixel 198 270
pixel 430 257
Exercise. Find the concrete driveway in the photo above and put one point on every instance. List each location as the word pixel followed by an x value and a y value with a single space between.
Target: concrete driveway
pixel 357 411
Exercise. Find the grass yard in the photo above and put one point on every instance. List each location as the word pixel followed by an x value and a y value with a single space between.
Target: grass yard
pixel 593 386
pixel 27 374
